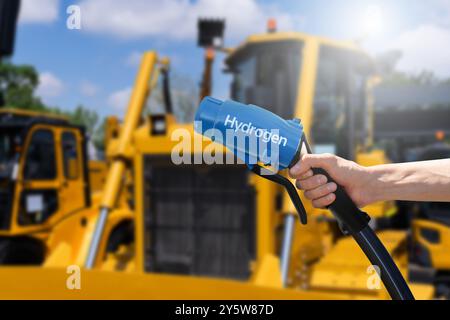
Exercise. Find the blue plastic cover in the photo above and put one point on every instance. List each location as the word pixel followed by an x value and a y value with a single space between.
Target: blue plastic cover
pixel 254 134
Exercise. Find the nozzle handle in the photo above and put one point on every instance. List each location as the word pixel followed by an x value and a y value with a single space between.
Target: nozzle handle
pixel 344 208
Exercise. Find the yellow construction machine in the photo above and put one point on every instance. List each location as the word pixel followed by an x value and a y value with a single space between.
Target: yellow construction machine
pixel 44 179
pixel 44 173
pixel 216 231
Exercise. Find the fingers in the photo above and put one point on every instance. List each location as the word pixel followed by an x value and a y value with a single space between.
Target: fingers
pixel 315 186
pixel 306 175
pixel 300 168
pixel 324 201
pixel 321 191
pixel 312 182
pixel 309 161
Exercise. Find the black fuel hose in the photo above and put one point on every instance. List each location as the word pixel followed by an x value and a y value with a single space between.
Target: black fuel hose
pixel 356 222
pixel 377 254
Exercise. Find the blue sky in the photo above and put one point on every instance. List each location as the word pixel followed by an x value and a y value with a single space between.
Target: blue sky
pixel 96 66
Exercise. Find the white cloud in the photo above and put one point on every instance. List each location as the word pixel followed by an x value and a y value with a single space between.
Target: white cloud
pixel 88 89
pixel 425 47
pixel 49 85
pixel 177 19
pixel 42 11
pixel 119 99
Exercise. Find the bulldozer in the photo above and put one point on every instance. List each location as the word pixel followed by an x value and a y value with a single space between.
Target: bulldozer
pixel 216 231
pixel 45 177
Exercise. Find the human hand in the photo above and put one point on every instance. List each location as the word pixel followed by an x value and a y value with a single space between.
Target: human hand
pixel 354 178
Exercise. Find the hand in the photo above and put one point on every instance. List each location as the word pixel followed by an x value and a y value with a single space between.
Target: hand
pixel 354 178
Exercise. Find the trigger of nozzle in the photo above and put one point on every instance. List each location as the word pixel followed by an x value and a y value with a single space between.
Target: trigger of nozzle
pixel 277 178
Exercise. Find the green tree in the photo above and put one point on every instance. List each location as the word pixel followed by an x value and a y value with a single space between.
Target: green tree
pixel 17 86
pixel 386 65
pixel 85 117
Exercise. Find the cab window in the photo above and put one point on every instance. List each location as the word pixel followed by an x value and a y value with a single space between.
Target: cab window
pixel 40 162
pixel 70 155
pixel 267 74
pixel 339 102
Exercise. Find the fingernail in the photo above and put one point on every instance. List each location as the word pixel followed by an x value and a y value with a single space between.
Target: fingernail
pixel 331 187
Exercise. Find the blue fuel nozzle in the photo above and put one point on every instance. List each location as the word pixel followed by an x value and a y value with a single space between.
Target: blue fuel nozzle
pixel 254 134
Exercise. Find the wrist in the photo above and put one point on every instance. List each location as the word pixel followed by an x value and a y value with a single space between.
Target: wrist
pixel 387 181
pixel 376 184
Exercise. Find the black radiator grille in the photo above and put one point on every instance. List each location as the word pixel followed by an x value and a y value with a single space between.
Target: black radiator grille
pixel 199 220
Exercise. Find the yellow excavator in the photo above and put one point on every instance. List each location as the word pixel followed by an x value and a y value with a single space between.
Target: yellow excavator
pixel 214 231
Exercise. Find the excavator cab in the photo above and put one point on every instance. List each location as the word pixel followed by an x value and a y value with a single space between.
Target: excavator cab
pixel 43 178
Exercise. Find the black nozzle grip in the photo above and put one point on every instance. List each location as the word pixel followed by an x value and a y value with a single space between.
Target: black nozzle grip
pixel 344 209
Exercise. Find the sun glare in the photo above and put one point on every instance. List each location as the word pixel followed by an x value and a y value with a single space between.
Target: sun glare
pixel 372 21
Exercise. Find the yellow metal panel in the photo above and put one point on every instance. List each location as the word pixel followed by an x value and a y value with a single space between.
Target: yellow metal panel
pixel 69 240
pixel 372 158
pixel 97 174
pixel 345 267
pixel 295 36
pixel 304 102
pixel 439 252
pixel 265 225
pixel 50 283
pixel 30 113
pixel 267 272
pixel 306 89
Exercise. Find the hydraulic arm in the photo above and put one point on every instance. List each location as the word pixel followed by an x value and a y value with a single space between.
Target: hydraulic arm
pixel 118 165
